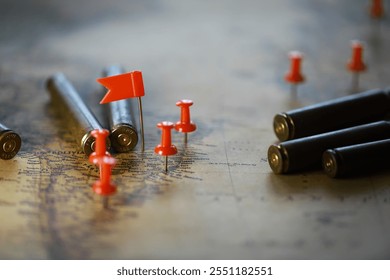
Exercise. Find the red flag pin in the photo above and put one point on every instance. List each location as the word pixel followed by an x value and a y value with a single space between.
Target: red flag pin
pixel 123 86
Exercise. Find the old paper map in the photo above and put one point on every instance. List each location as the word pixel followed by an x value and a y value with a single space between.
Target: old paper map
pixel 219 199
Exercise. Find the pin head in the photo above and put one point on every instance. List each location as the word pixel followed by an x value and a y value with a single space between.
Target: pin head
pixel 185 124
pixel 104 185
pixel 97 133
pixel 165 151
pixel 165 125
pixel 184 102
pixel 99 146
pixel 101 188
pixel 356 63
pixel 295 76
pixel 165 148
pixel 376 9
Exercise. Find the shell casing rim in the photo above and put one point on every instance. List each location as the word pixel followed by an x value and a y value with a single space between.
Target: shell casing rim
pixel 330 163
pixel 123 128
pixel 280 164
pixel 5 136
pixel 284 127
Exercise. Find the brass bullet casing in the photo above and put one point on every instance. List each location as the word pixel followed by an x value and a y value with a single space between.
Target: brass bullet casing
pixel 123 134
pixel 10 142
pixel 79 117
pixel 347 111
pixel 357 159
pixel 305 153
pixel 278 159
pixel 330 163
pixel 284 127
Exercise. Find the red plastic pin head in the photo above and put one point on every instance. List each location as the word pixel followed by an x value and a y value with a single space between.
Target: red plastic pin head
pixel 185 124
pixel 376 10
pixel 104 186
pixel 165 148
pixel 100 144
pixel 295 76
pixel 356 63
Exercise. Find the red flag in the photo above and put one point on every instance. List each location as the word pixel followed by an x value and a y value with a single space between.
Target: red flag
pixel 123 86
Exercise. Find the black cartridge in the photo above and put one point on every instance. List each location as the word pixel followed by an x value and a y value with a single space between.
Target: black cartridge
pixel 357 159
pixel 10 142
pixel 348 111
pixel 79 117
pixel 305 153
pixel 123 135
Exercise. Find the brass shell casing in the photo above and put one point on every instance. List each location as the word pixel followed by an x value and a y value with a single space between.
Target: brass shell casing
pixel 10 143
pixel 348 111
pixel 306 153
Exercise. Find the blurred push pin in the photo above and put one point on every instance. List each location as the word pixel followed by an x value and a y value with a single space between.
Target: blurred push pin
pixel 376 10
pixel 356 64
pixel 100 145
pixel 185 124
pixel 105 162
pixel 104 186
pixel 295 77
pixel 165 148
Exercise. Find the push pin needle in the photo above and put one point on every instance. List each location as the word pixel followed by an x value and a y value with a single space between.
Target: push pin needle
pixel 295 77
pixel 185 124
pixel 165 148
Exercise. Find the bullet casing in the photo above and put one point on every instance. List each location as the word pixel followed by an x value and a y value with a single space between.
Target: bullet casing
pixel 357 159
pixel 348 111
pixel 304 153
pixel 73 109
pixel 123 134
pixel 10 143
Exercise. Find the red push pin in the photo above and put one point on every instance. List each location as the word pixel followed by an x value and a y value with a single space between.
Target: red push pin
pixel 356 64
pixel 165 148
pixel 104 187
pixel 185 124
pixel 295 77
pixel 100 144
pixel 376 10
